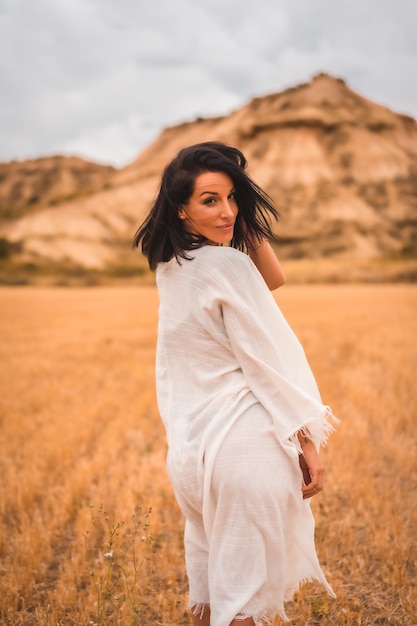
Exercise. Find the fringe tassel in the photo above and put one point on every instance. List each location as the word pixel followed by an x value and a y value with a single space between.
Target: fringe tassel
pixel 261 620
pixel 199 609
pixel 318 430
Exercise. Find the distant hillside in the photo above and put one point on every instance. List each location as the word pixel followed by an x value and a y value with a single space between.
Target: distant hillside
pixel 25 185
pixel 341 169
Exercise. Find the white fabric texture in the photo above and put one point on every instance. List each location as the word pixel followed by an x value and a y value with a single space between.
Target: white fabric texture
pixel 234 387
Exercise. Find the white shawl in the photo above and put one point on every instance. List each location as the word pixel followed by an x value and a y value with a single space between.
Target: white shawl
pixel 223 347
pixel 220 336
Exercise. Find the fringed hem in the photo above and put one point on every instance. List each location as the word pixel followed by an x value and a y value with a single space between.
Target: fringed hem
pixel 265 619
pixel 199 608
pixel 318 430
pixel 289 596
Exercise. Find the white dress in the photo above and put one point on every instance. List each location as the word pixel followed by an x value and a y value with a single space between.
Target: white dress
pixel 234 387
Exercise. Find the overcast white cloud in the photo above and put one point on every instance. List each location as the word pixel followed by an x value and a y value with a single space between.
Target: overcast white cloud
pixel 101 78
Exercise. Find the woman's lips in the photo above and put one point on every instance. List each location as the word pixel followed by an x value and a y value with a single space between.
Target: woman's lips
pixel 226 227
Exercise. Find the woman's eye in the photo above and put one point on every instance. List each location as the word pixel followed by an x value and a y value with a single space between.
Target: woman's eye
pixel 209 201
pixel 232 196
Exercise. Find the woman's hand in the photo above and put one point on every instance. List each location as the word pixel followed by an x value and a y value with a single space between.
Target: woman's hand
pixel 311 467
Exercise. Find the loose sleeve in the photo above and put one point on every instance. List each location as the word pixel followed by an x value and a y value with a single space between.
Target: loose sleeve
pixel 271 357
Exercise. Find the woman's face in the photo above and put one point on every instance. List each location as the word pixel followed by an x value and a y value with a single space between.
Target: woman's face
pixel 211 210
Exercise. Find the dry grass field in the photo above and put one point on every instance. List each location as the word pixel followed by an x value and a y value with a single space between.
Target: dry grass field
pixel 83 451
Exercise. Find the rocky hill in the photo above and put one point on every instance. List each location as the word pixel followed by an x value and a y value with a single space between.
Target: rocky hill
pixel 36 183
pixel 341 169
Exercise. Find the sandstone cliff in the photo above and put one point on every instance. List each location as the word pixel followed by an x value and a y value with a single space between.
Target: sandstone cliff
pixel 341 169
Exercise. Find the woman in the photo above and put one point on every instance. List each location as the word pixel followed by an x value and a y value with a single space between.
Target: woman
pixel 239 402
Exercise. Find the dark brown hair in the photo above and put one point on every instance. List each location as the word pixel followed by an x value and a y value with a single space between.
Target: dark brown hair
pixel 162 234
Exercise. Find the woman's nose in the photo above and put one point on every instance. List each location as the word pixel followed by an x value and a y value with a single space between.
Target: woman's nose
pixel 227 209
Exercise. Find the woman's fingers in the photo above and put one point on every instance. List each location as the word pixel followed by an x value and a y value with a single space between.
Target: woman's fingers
pixel 315 486
pixel 312 470
pixel 309 491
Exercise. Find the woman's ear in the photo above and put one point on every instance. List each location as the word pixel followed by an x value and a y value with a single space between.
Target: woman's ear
pixel 181 214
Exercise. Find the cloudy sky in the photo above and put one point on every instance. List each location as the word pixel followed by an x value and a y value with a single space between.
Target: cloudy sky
pixel 102 78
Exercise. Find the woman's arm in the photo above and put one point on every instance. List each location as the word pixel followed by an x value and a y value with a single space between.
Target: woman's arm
pixel 267 263
pixel 311 466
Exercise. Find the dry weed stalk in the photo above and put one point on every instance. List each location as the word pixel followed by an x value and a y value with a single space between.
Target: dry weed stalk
pixel 121 566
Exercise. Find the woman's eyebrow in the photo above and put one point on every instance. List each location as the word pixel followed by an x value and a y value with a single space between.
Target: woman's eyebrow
pixel 214 193
pixel 210 193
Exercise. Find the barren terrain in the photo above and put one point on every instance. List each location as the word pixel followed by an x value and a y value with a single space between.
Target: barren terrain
pixel 83 450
